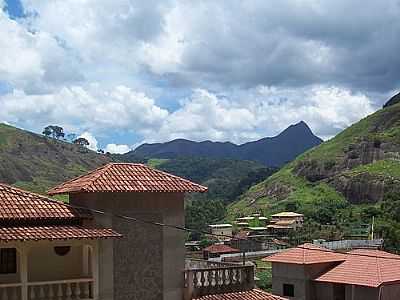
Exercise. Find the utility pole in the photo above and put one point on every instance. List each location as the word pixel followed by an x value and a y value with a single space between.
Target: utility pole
pixel 372 227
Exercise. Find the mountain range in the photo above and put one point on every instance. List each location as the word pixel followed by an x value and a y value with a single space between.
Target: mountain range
pixel 342 186
pixel 270 151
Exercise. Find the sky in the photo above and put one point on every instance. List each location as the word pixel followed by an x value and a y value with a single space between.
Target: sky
pixel 121 73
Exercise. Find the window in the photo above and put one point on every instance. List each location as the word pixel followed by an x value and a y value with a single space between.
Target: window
pixel 8 261
pixel 288 290
pixel 62 250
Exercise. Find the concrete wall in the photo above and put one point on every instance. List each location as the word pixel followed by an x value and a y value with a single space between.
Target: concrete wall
pixel 301 276
pixel 45 265
pixel 148 262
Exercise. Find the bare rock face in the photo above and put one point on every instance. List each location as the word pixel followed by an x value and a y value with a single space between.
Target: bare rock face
pixel 357 188
pixel 362 188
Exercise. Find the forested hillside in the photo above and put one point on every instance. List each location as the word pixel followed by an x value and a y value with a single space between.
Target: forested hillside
pixel 343 182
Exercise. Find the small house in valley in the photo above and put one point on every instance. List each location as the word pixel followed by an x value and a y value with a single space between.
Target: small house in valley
pixel 284 222
pixel 221 232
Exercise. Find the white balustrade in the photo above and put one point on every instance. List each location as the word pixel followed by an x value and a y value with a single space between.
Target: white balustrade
pixel 10 291
pixel 79 289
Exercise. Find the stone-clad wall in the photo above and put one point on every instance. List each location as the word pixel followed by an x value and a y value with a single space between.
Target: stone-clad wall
pixel 148 263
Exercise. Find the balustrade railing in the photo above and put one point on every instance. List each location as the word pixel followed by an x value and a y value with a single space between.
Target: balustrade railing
pixel 81 289
pixel 10 291
pixel 208 281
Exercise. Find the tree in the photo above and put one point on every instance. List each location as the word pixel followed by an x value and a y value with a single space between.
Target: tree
pixel 81 142
pixel 54 131
pixel 101 151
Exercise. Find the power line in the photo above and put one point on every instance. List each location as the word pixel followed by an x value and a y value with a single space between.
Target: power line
pixel 183 228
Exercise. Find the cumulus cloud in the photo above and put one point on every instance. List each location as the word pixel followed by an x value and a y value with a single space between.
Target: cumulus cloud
pixel 90 108
pixel 114 148
pixel 33 61
pixel 91 139
pixel 264 111
pixel 220 70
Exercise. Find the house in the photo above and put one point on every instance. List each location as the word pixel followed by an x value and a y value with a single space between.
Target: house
pixel 222 232
pixel 365 275
pixel 47 248
pixel 294 270
pixel 255 220
pixel 284 222
pixel 148 262
pixel 310 272
pixel 216 250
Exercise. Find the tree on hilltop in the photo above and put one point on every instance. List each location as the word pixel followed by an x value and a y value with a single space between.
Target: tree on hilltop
pixel 54 131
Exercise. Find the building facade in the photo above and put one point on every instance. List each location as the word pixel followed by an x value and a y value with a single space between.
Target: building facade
pixel 148 262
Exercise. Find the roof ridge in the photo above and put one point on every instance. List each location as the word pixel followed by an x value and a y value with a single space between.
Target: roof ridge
pixel 16 190
pixel 78 177
pixel 378 271
pixel 101 173
pixel 172 175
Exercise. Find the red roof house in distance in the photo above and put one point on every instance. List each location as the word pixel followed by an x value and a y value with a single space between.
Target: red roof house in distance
pixel 148 262
pixel 47 247
pixel 311 272
pixel 216 250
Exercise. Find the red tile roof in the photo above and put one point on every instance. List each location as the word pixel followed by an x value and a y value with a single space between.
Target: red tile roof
pixel 17 204
pixel 370 268
pixel 220 248
pixel 127 177
pixel 306 254
pixel 54 233
pixel 246 295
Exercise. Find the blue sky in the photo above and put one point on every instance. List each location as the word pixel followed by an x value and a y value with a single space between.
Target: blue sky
pixel 126 72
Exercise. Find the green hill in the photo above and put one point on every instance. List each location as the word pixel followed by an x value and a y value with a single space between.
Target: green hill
pixel 35 162
pixel 339 181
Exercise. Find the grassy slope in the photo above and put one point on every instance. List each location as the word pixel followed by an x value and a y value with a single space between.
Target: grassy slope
pixel 35 163
pixel 383 125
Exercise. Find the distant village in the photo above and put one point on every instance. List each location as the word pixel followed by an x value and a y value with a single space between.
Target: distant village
pixel 122 236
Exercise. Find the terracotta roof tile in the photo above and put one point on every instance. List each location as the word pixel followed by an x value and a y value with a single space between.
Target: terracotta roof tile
pixel 17 204
pixel 127 177
pixel 246 295
pixel 370 268
pixel 306 254
pixel 220 248
pixel 37 233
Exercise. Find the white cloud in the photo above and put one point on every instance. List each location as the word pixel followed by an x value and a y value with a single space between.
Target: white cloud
pixel 264 111
pixel 91 139
pixel 90 108
pixel 114 148
pixel 33 61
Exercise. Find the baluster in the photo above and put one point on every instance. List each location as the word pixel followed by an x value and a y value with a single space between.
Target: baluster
pixel 231 276
pixel 51 292
pixel 4 294
pixel 68 292
pixel 86 289
pixel 15 293
pixel 202 279
pixel 60 292
pixel 224 277
pixel 41 292
pixel 195 279
pixel 32 293
pixel 214 278
pixel 77 291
